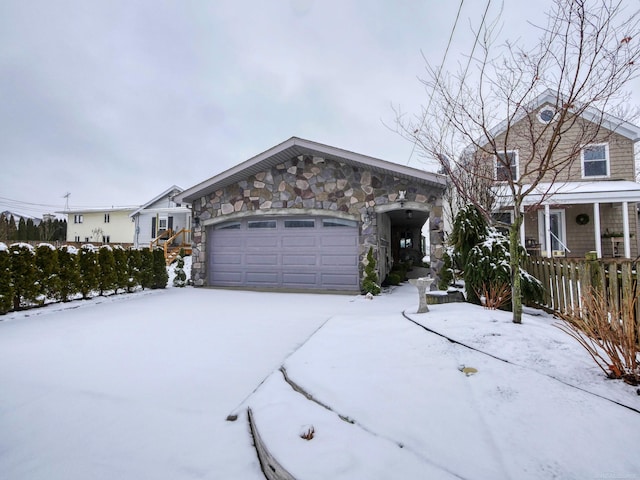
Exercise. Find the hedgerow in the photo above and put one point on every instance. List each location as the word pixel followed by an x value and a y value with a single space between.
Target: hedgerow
pixel 30 277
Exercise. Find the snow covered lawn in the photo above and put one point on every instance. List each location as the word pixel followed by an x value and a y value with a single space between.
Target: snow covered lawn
pixel 139 386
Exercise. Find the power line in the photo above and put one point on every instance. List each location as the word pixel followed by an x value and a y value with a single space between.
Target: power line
pixel 444 57
pixel 466 70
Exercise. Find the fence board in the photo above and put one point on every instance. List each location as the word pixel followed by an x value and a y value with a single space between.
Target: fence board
pixel 566 281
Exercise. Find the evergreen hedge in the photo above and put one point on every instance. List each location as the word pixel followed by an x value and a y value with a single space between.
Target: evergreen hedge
pixel 30 276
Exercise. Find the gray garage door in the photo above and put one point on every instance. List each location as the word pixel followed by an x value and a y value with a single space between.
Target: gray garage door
pixel 289 252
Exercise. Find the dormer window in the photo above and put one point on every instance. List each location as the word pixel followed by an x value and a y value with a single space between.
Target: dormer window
pixel 506 166
pixel 595 161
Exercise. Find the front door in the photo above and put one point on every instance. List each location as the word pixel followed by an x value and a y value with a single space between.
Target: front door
pixel 558 229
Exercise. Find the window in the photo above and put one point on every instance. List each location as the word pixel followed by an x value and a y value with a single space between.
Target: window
pixel 546 115
pixel 337 222
pixel 77 239
pixel 106 218
pixel 502 220
pixel 262 224
pixel 86 239
pixel 299 224
pixel 506 166
pixel 595 160
pixel 162 224
pixel 78 218
pixel 228 226
pixel 406 240
pixel 106 239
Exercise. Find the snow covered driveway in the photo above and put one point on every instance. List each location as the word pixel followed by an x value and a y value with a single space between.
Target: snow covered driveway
pixel 138 387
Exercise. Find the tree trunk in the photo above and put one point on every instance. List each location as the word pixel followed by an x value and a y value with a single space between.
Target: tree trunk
pixel 514 263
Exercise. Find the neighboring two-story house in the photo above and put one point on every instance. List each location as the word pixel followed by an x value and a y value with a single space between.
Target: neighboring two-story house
pixel 107 225
pixel 588 203
pixel 130 226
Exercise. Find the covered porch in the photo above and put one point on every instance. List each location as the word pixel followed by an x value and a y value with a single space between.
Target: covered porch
pixel 574 218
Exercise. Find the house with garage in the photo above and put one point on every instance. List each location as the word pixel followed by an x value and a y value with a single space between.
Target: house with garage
pixel 160 217
pixel 303 215
pixel 587 203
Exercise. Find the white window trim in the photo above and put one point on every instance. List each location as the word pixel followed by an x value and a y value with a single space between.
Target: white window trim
pixel 606 157
pixel 495 166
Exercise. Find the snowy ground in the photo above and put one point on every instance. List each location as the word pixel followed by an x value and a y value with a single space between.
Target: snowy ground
pixel 139 386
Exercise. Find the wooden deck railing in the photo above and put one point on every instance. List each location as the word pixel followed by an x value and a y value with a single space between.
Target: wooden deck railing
pixel 170 246
pixel 566 280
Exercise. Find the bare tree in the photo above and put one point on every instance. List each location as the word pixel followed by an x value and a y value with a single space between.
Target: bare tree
pixel 586 54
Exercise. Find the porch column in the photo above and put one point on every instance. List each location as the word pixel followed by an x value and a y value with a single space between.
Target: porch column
pixel 596 228
pixel 547 230
pixel 625 229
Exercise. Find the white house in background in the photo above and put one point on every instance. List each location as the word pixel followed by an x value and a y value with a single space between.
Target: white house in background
pixel 104 225
pixel 159 215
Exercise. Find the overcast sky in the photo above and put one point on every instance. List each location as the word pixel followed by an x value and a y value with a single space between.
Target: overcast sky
pixel 115 101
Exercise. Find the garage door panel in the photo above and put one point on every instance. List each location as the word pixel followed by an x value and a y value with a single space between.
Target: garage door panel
pixel 228 278
pixel 229 259
pixel 300 260
pixel 339 280
pixel 299 280
pixel 261 259
pixel 262 241
pixel 262 278
pixel 314 257
pixel 303 241
pixel 338 260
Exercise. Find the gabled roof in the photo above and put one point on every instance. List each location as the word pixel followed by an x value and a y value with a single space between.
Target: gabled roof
pixel 590 114
pixel 155 199
pixel 297 146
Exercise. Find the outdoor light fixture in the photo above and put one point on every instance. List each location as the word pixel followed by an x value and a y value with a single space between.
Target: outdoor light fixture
pixel 196 221
pixel 409 214
pixel 401 197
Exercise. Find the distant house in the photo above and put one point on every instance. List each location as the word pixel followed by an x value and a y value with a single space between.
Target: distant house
pixel 159 216
pixel 303 215
pixel 589 206
pixel 103 225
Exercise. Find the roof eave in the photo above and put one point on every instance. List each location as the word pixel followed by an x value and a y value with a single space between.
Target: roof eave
pixel 226 177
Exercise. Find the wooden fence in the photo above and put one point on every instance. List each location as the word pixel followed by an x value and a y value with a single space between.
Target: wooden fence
pixel 566 280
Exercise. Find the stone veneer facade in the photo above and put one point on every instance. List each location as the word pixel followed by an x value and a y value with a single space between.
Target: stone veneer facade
pixel 313 186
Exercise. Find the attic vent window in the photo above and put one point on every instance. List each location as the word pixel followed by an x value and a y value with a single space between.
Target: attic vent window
pixel 546 115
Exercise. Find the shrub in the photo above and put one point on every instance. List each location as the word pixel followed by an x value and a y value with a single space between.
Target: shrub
pixel 68 273
pixel 6 285
pixel 107 276
pixel 24 275
pixel 180 278
pixel 89 270
pixel 160 275
pixel 122 274
pixel 48 270
pixel 446 274
pixel 145 274
pixel 370 282
pixel 393 279
pixel 608 333
pixel 485 264
pixel 134 265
